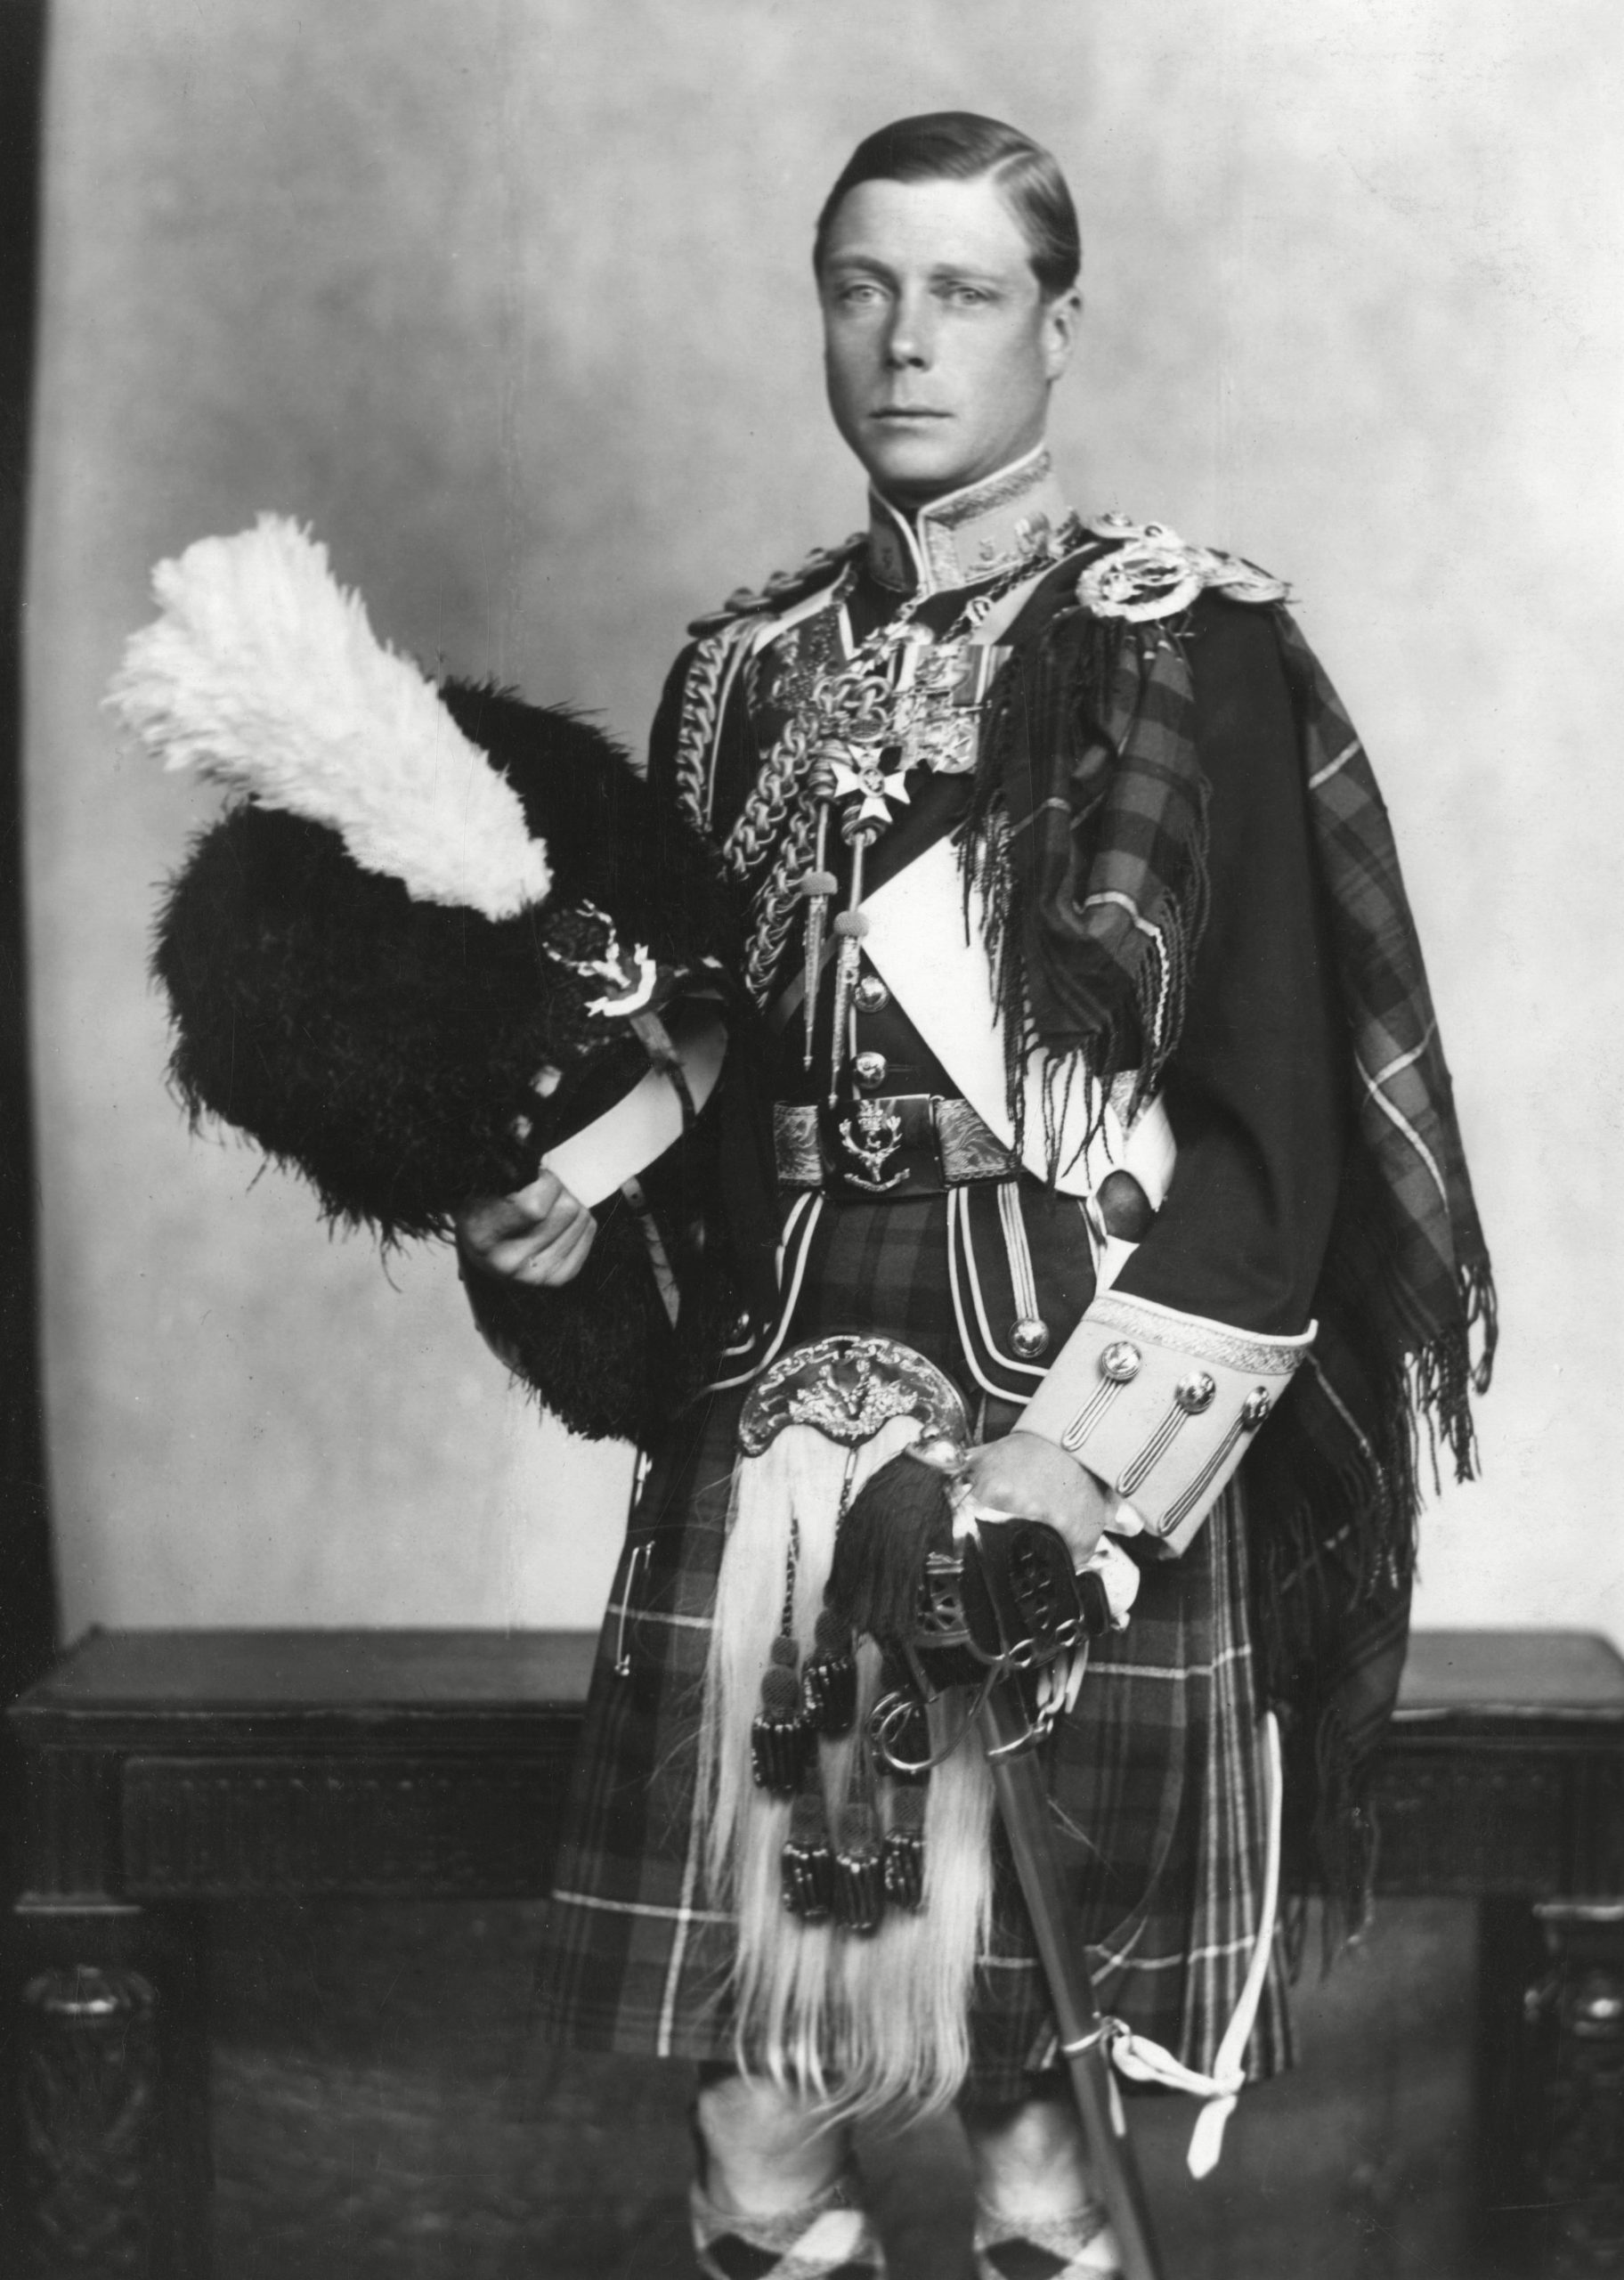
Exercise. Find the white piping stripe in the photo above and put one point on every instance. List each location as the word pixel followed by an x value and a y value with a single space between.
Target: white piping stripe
pixel 956 1205
pixel 1084 1424
pixel 1373 1087
pixel 1019 1250
pixel 638 1907
pixel 1159 1027
pixel 1123 1959
pixel 1154 1450
pixel 1343 1410
pixel 1183 1506
pixel 1403 1060
pixel 1101 1670
pixel 1209 1953
pixel 1331 766
pixel 679 1943
pixel 1123 902
pixel 787 1304
pixel 1027 1369
pixel 1126 1959
pixel 633 1612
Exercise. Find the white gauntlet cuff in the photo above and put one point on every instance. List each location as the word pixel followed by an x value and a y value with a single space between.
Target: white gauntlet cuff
pixel 1162 1407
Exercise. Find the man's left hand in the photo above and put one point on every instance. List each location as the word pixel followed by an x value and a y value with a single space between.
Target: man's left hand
pixel 1034 1479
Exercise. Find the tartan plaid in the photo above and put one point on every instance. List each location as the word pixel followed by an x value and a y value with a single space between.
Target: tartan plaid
pixel 1090 724
pixel 1092 753
pixel 1419 1275
pixel 1097 893
pixel 1156 1776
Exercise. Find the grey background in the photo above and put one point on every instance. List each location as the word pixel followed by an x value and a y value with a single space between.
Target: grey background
pixel 511 301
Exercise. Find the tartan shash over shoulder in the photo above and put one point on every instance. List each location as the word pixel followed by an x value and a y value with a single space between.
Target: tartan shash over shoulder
pixel 1089 827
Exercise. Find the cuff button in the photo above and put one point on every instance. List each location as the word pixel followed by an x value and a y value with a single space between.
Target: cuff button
pixel 1120 1361
pixel 1195 1393
pixel 1254 1408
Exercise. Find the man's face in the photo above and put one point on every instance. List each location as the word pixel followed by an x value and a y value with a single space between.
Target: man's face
pixel 938 345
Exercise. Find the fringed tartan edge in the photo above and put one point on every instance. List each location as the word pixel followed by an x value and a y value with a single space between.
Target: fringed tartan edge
pixel 1334 1514
pixel 1085 709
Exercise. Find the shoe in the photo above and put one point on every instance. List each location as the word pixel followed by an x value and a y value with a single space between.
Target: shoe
pixel 830 2238
pixel 1082 2247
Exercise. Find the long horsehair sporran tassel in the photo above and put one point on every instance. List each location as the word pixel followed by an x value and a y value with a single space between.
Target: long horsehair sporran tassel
pixel 870 2023
pixel 905 1846
pixel 807 1862
pixel 829 1682
pixel 779 1737
pixel 859 1869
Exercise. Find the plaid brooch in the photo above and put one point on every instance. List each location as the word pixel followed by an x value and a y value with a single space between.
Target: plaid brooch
pixel 1082 2247
pixel 830 2238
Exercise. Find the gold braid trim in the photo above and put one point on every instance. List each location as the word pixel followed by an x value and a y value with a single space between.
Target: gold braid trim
pixel 762 816
pixel 699 720
pixel 778 821
pixel 765 814
pixel 778 902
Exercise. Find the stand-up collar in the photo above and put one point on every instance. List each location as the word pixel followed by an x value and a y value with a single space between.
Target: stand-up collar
pixel 970 534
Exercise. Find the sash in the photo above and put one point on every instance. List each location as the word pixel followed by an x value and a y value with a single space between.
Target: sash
pixel 940 973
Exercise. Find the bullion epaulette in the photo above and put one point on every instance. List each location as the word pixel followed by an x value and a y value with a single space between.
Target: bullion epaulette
pixel 783 588
pixel 1151 572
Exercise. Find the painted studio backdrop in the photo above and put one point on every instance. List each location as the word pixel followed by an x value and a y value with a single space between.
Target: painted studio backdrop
pixel 510 299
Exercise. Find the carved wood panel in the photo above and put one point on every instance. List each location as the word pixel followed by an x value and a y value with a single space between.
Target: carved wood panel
pixel 225 1827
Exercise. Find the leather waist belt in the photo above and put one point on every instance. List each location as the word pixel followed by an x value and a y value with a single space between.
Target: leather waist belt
pixel 899 1144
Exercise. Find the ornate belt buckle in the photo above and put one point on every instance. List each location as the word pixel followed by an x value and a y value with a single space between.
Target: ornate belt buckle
pixel 882 1144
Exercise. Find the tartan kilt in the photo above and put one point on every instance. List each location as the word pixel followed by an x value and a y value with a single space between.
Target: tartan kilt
pixel 1156 1776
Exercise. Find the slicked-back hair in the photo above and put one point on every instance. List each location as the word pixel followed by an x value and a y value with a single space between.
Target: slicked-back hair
pixel 961 146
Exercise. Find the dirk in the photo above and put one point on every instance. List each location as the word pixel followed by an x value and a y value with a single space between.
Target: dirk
pixel 817 884
pixel 851 924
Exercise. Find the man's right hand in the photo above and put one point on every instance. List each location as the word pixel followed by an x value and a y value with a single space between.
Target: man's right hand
pixel 538 1237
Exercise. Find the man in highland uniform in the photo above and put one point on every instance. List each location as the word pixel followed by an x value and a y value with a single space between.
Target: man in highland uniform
pixel 1106 1084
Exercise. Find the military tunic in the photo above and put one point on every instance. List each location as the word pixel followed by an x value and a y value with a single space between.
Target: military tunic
pixel 1155 1773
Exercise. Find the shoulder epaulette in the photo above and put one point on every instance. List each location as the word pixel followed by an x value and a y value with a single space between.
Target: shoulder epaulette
pixel 785 588
pixel 1150 572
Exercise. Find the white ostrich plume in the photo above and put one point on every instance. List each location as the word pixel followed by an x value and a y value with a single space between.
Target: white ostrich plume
pixel 264 674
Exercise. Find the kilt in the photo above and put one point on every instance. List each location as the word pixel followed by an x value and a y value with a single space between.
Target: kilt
pixel 1156 1776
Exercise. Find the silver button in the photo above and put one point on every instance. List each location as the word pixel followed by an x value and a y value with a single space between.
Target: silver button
pixel 869 1069
pixel 1120 1361
pixel 1029 1337
pixel 1195 1393
pixel 872 995
pixel 1254 1408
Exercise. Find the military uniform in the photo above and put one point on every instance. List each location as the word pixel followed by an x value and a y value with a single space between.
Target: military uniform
pixel 1139 1266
